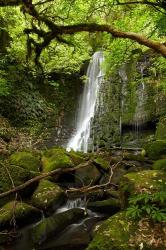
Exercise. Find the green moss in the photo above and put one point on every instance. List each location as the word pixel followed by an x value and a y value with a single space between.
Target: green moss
pixel 76 157
pixel 121 233
pixel 102 163
pixel 156 149
pixel 25 160
pixel 47 195
pixel 56 158
pixel 161 129
pixel 21 212
pixel 144 181
pixel 160 165
pixel 113 234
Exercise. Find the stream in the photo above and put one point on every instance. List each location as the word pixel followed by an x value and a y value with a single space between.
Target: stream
pixel 54 233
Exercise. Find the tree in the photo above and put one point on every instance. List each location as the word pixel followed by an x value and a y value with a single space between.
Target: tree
pixel 46 25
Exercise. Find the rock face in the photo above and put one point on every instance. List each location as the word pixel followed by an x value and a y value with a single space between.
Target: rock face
pixel 121 233
pixel 48 196
pixel 130 105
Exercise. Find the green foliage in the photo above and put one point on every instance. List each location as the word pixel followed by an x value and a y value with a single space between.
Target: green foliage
pixel 148 205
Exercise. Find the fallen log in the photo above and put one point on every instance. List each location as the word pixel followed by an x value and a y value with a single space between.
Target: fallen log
pixel 42 176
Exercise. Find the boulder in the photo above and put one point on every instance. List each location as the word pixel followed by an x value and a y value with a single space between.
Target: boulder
pixel 25 160
pixel 160 165
pixel 87 175
pixel 48 196
pixel 121 233
pixel 144 181
pixel 53 225
pixel 110 206
pixel 156 149
pixel 19 214
pixel 56 158
pixel 18 175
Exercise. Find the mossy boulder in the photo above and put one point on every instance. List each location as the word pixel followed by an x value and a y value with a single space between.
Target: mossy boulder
pixel 102 163
pixel 144 181
pixel 120 233
pixel 161 129
pixel 77 157
pixel 56 158
pixel 48 196
pixel 18 175
pixel 55 224
pixel 110 206
pixel 87 175
pixel 19 213
pixel 160 165
pixel 156 150
pixel 25 160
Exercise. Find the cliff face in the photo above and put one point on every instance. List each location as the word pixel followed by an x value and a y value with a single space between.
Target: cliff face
pixel 131 104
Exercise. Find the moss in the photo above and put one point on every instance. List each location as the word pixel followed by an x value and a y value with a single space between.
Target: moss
pixel 156 149
pixel 18 175
pixel 99 161
pixel 134 157
pixel 160 165
pixel 55 224
pixel 25 160
pixel 120 233
pixel 143 181
pixel 22 213
pixel 110 206
pixel 76 157
pixel 47 195
pixel 161 129
pixel 56 158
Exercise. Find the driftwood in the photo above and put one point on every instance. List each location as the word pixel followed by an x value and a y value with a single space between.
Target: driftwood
pixel 42 176
pixel 88 189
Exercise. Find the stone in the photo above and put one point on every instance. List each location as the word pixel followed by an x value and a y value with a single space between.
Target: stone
pixel 159 165
pixel 109 206
pixel 87 175
pixel 121 233
pixel 25 160
pixel 55 158
pixel 48 196
pixel 19 213
pixel 54 224
pixel 156 149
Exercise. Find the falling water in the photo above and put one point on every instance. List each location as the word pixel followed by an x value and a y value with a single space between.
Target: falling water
pixel 88 105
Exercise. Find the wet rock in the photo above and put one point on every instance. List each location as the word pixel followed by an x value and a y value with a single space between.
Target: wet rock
pixel 25 160
pixel 110 206
pixel 120 233
pixel 48 196
pixel 18 214
pixel 53 225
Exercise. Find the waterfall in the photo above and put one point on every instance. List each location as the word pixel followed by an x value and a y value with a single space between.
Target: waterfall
pixel 88 105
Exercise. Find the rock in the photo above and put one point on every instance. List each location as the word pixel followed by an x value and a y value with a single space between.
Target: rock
pixel 48 196
pixel 102 163
pixel 110 206
pixel 120 233
pixel 161 129
pixel 18 175
pixel 56 158
pixel 87 175
pixel 156 150
pixel 25 160
pixel 144 181
pixel 77 157
pixel 53 225
pixel 18 212
pixel 159 165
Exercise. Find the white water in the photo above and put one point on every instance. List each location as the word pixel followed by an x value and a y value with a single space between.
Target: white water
pixel 88 105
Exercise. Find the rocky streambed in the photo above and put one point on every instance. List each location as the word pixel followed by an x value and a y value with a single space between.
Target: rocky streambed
pixel 82 204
